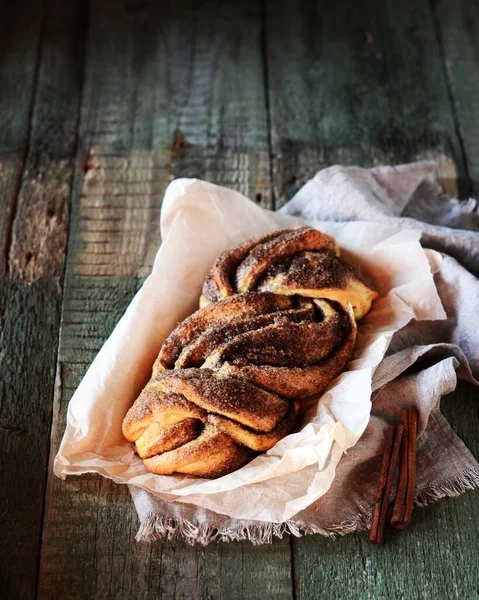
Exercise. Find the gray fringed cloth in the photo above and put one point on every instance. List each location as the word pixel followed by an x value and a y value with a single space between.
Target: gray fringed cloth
pixel 422 363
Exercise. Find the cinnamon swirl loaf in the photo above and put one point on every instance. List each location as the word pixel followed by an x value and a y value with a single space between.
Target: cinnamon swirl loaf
pixel 277 324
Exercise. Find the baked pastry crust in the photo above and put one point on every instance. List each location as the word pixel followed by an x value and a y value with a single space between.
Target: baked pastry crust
pixel 278 324
pixel 300 261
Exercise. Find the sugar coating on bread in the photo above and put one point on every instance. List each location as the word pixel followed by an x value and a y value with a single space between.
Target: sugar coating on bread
pixel 277 325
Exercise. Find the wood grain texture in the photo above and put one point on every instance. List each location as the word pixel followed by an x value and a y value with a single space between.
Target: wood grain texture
pixel 20 28
pixel 356 83
pixel 36 209
pixel 362 83
pixel 436 558
pixel 184 79
pixel 176 89
pixel 20 47
pixel 170 90
pixel 458 32
pixel 28 341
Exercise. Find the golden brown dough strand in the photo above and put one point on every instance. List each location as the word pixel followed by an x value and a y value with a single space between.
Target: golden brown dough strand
pixel 236 399
pixel 229 380
pixel 212 454
pixel 213 315
pixel 252 439
pixel 319 275
pixel 300 261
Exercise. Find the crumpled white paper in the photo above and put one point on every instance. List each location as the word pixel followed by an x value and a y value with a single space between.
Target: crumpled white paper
pixel 198 221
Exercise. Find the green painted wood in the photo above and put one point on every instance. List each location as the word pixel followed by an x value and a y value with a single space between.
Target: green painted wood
pixel 20 47
pixel 20 29
pixel 362 83
pixel 184 79
pixel 458 31
pixel 245 572
pixel 438 557
pixel 28 340
pixel 170 90
pixel 356 83
pixel 39 108
pixel 149 114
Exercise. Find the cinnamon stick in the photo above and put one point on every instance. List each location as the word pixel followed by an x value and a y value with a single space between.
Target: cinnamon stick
pixel 382 483
pixel 377 528
pixel 389 484
pixel 399 510
pixel 404 502
pixel 411 463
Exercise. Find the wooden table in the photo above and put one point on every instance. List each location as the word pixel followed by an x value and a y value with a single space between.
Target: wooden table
pixel 101 105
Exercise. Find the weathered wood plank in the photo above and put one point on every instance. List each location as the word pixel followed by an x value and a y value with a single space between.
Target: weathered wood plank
pixel 19 45
pixel 356 83
pixel 20 27
pixel 458 30
pixel 171 90
pixel 39 108
pixel 184 79
pixel 436 558
pixel 363 83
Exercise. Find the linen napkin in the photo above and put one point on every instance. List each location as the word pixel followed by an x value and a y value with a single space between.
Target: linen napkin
pixel 422 364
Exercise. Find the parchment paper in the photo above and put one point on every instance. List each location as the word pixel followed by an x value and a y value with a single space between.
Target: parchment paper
pixel 198 221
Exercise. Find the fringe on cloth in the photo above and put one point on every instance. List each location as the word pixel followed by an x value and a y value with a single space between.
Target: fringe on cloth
pixel 157 528
pixel 454 486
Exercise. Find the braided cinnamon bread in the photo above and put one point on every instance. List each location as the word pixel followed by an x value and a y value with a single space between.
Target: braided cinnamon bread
pixel 277 324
